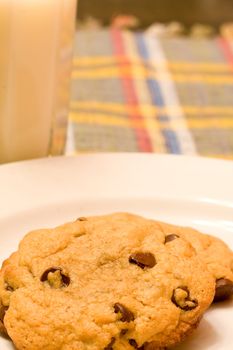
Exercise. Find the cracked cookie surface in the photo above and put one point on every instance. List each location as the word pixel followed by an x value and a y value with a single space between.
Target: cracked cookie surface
pixel 108 282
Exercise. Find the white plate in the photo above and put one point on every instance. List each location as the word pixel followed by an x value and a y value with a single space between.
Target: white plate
pixel 177 189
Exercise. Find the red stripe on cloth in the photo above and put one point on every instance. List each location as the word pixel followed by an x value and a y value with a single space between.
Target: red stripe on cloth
pixel 131 99
pixel 227 51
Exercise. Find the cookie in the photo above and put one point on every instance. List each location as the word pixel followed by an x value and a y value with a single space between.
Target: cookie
pixel 214 253
pixel 103 283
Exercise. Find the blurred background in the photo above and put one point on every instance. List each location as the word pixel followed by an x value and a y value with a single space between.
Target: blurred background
pixel 208 12
pixel 153 76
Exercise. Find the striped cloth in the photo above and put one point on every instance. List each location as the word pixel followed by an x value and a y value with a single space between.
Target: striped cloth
pixel 136 92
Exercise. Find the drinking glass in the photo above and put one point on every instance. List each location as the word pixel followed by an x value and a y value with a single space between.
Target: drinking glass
pixel 36 45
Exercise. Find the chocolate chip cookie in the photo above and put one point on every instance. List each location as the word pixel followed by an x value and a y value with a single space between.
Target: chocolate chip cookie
pixel 214 253
pixel 103 283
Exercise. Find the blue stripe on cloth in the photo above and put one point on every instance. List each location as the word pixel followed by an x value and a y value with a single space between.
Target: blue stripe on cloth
pixel 170 136
pixel 171 141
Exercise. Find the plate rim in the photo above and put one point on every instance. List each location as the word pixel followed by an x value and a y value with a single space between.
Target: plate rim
pixel 114 174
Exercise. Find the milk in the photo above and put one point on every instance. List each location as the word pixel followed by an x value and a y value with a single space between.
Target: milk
pixel 35 64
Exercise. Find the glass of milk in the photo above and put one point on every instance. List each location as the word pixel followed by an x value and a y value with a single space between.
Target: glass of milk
pixel 36 41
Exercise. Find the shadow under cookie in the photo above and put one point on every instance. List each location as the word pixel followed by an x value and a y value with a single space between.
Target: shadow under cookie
pixel 205 335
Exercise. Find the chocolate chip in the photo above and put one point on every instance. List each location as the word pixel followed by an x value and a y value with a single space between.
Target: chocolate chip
pixel 82 218
pixel 170 238
pixel 109 346
pixel 143 259
pixel 181 298
pixel 8 287
pixel 123 331
pixel 133 343
pixel 145 346
pixel 223 289
pixel 126 314
pixel 63 281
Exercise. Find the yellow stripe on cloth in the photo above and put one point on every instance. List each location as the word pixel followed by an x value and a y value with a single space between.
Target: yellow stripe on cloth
pixel 206 67
pixel 98 60
pixel 115 120
pixel 142 73
pixel 87 62
pixel 223 123
pixel 108 72
pixel 208 110
pixel 103 119
pixel 150 110
pixel 207 79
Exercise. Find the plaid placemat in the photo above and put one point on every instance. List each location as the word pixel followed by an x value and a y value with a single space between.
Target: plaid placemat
pixel 137 92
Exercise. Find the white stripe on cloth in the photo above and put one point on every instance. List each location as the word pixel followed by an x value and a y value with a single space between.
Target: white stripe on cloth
pixel 158 60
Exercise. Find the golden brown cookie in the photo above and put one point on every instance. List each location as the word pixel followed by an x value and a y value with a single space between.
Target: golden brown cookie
pixel 108 282
pixel 213 252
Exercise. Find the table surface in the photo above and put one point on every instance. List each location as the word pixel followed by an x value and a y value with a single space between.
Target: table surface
pixel 139 92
